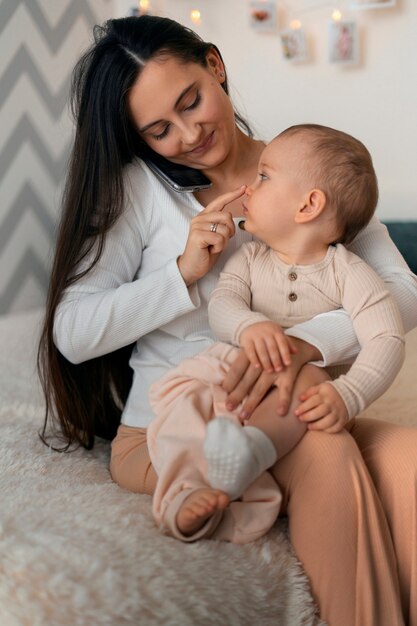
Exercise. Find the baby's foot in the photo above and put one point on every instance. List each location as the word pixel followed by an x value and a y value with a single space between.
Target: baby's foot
pixel 236 455
pixel 198 507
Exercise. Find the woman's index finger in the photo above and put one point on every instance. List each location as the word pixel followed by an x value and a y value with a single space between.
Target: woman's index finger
pixel 222 201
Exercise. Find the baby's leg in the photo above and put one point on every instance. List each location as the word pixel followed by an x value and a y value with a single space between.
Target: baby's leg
pixel 237 455
pixel 285 431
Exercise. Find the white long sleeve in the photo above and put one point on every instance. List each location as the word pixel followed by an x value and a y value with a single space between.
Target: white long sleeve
pixel 119 301
pixel 333 333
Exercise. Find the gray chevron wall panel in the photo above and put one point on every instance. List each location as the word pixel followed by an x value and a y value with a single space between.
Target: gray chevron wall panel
pixel 40 41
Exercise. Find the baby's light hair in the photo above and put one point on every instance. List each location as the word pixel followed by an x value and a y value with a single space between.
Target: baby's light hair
pixel 342 168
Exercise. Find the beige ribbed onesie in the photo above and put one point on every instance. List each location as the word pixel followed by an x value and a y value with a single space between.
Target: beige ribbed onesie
pixel 256 286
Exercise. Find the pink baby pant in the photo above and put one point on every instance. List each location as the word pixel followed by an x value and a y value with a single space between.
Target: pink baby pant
pixel 184 400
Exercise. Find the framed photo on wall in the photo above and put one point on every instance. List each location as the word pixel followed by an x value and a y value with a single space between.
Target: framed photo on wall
pixel 372 4
pixel 294 45
pixel 263 16
pixel 343 42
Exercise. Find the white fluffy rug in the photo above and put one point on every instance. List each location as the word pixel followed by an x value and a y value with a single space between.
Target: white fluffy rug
pixel 76 550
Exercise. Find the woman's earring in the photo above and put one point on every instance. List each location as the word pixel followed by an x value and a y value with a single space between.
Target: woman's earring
pixel 221 74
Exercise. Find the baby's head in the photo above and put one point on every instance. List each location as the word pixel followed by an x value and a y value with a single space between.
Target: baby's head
pixel 342 168
pixel 312 171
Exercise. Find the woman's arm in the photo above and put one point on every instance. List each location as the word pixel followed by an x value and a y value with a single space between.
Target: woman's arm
pixel 332 333
pixel 376 248
pixel 142 281
pixel 108 308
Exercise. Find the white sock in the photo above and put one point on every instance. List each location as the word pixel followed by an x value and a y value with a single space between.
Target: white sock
pixel 236 455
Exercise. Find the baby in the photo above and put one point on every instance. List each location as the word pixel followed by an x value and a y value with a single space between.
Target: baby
pixel 315 190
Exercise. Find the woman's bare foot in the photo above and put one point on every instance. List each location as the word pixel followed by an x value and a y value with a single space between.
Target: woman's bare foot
pixel 198 507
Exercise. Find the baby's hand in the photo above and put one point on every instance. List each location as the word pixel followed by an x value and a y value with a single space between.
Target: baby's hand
pixel 323 409
pixel 266 346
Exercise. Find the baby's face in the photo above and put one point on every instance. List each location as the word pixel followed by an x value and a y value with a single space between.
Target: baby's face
pixel 279 189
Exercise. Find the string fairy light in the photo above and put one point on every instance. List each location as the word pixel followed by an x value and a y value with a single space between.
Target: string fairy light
pixel 144 6
pixel 336 15
pixel 195 16
pixel 295 11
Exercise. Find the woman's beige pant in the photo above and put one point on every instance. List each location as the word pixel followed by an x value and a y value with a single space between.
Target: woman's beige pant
pixel 351 501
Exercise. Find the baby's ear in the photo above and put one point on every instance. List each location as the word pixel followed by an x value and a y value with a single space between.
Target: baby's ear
pixel 312 207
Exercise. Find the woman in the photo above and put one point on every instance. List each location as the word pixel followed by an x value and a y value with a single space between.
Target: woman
pixel 136 262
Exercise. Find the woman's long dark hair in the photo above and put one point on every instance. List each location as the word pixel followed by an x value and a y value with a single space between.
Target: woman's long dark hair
pixel 85 399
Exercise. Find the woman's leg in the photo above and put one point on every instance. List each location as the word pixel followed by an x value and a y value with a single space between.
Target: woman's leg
pixel 130 464
pixel 339 531
pixel 390 453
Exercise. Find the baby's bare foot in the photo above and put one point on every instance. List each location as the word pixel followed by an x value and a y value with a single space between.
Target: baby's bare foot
pixel 198 507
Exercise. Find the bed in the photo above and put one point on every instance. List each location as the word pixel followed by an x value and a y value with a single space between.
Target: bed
pixel 77 550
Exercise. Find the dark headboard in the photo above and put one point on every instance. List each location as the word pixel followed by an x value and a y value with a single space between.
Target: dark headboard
pixel 404 235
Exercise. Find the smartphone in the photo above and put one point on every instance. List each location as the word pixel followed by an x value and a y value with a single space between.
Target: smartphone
pixel 178 177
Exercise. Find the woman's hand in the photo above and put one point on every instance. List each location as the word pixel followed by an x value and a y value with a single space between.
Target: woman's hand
pixel 243 379
pixel 285 379
pixel 322 408
pixel 209 235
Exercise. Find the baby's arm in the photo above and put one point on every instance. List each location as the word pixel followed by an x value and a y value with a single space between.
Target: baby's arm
pixel 267 346
pixel 232 319
pixel 333 333
pixel 377 323
pixel 229 308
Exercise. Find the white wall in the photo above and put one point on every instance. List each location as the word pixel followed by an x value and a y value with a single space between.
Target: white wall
pixel 377 101
pixel 41 39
